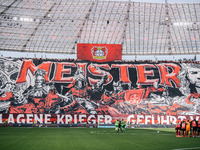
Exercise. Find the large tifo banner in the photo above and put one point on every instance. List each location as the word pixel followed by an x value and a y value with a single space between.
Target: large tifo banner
pixel 140 92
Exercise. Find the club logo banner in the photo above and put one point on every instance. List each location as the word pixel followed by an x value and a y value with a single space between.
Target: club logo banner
pixel 36 86
pixel 99 52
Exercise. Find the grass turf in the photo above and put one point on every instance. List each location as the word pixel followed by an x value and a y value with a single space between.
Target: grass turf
pixel 92 139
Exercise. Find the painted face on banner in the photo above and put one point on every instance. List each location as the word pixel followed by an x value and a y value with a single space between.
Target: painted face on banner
pixel 194 76
pixel 39 81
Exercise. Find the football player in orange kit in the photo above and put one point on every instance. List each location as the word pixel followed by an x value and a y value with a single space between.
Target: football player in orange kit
pixel 188 128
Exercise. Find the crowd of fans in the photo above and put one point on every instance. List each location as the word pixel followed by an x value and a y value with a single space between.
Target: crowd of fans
pixel 165 61
pixel 185 60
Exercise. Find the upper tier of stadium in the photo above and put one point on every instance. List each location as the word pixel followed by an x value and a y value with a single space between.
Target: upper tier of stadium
pixel 56 26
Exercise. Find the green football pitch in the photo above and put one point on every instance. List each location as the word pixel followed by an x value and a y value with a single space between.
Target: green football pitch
pixel 93 139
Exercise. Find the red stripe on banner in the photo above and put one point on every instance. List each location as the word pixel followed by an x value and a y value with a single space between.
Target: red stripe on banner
pixel 99 52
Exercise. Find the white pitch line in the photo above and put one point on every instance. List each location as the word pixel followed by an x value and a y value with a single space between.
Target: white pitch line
pixel 187 148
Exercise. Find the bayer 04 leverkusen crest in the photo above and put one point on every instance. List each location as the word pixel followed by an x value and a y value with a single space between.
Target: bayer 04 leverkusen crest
pixel 99 52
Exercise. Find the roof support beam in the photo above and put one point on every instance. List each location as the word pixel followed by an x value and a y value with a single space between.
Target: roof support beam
pixel 82 26
pixel 36 28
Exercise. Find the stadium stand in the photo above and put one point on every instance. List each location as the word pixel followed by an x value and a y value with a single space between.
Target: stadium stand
pixel 57 26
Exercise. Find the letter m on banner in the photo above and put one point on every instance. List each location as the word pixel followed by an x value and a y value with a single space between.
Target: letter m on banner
pixel 99 52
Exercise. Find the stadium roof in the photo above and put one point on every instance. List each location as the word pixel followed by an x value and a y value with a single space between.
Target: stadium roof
pixel 56 26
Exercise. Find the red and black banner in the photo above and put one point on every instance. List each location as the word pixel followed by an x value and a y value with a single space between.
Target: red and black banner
pixel 99 52
pixel 42 86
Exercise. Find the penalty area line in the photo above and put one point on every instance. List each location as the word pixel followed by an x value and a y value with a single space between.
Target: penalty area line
pixel 187 148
